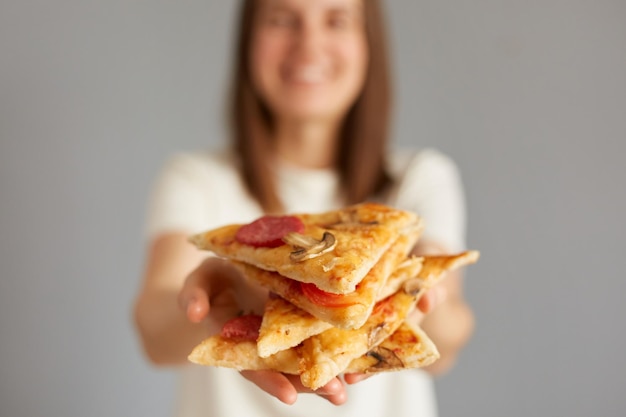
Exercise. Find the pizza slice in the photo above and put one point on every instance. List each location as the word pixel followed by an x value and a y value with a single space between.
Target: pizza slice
pixel 407 348
pixel 341 310
pixel 332 250
pixel 235 347
pixel 432 269
pixel 284 326
pixel 329 353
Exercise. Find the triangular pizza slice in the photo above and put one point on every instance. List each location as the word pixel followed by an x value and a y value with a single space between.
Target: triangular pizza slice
pixel 329 353
pixel 284 326
pixel 241 354
pixel 407 348
pixel 290 324
pixel 341 310
pixel 332 250
pixel 432 269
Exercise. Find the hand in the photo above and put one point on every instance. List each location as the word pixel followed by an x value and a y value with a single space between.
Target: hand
pixel 216 292
pixel 216 287
pixel 287 387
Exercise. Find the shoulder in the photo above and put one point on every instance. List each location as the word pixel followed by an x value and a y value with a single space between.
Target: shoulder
pixel 200 169
pixel 197 190
pixel 426 163
pixel 201 162
pixel 427 182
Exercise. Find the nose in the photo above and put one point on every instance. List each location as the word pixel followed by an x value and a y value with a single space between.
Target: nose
pixel 309 40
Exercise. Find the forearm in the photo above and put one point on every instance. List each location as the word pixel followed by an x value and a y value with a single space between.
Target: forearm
pixel 450 326
pixel 167 336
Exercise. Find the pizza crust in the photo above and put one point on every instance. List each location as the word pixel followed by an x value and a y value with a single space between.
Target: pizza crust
pixel 284 326
pixel 242 355
pixel 363 234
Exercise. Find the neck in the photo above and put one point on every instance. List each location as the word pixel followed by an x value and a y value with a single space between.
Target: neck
pixel 307 144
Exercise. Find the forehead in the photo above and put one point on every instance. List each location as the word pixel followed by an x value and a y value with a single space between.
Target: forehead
pixel 312 5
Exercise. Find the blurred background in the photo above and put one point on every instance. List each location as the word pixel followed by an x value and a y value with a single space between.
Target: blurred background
pixel 528 97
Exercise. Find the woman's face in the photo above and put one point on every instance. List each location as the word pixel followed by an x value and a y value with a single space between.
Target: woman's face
pixel 309 57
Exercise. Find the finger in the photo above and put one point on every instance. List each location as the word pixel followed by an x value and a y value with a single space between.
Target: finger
pixel 197 306
pixel 274 383
pixel 334 391
pixel 200 287
pixel 431 299
pixel 356 377
pixel 223 307
pixel 193 298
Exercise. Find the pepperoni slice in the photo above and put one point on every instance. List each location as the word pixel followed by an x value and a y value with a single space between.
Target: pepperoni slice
pixel 327 299
pixel 244 327
pixel 383 307
pixel 268 231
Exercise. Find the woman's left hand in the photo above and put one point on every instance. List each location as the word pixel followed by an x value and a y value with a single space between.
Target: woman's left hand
pixel 287 387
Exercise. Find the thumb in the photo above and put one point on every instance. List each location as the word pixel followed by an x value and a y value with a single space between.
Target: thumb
pixel 224 306
pixel 431 299
pixel 195 303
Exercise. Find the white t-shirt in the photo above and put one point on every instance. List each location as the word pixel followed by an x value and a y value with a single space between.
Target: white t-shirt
pixel 199 191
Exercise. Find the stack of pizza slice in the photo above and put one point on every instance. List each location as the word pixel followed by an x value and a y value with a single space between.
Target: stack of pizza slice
pixel 342 284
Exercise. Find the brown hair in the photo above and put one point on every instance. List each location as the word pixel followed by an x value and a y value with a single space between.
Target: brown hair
pixel 364 135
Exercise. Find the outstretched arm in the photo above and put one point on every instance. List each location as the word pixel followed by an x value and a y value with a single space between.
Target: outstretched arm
pixel 166 334
pixel 450 321
pixel 181 303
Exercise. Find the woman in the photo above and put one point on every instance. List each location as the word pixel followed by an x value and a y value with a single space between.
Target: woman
pixel 310 121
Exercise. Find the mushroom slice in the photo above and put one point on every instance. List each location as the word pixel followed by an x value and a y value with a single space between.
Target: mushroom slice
pixel 412 286
pixel 387 359
pixel 308 247
pixel 350 219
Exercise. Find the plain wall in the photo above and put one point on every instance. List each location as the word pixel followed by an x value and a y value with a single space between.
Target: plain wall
pixel 529 97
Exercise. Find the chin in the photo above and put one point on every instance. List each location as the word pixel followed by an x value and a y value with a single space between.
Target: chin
pixel 320 109
pixel 313 114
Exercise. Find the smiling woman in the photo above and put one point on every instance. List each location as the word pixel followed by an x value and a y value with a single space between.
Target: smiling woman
pixel 312 85
pixel 308 63
pixel 309 130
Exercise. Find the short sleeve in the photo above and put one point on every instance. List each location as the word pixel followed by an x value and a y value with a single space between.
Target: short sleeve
pixel 431 186
pixel 179 197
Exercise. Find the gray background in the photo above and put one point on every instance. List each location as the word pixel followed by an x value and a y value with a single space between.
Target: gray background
pixel 529 97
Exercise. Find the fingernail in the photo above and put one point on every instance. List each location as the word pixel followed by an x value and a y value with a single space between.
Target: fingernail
pixel 191 305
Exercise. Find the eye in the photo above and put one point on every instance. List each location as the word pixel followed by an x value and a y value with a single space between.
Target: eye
pixel 340 20
pixel 282 19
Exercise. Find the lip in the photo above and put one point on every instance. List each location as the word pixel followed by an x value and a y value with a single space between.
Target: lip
pixel 306 75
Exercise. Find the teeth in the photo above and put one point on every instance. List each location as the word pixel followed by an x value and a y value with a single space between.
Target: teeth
pixel 308 75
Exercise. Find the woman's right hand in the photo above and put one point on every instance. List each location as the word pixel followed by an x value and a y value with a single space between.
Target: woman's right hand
pixel 215 292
